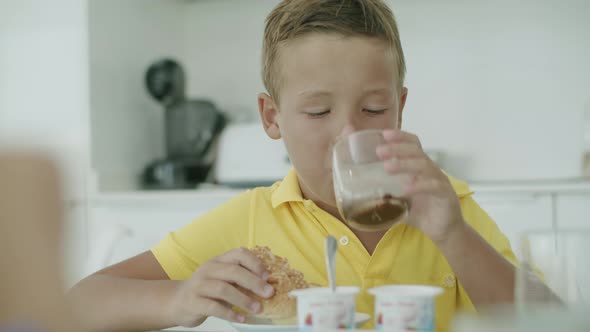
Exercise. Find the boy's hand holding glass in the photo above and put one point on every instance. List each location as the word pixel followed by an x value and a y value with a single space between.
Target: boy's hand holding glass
pixel 382 177
pixel 433 204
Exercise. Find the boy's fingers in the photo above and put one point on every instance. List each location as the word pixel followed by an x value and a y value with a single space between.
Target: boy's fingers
pixel 239 275
pixel 399 150
pixel 221 290
pixel 425 185
pixel 416 165
pixel 391 135
pixel 245 258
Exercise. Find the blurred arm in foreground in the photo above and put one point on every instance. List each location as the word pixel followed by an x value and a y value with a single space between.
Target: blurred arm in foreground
pixel 30 246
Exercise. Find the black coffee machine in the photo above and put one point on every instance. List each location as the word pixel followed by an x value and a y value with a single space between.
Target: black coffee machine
pixel 191 127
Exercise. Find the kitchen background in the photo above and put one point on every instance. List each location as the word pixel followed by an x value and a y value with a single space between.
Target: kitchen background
pixel 501 89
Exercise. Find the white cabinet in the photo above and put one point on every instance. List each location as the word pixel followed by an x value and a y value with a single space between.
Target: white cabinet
pixel 140 227
pixel 74 248
pixel 516 212
pixel 124 225
pixel 517 207
pixel 573 210
pixel 148 216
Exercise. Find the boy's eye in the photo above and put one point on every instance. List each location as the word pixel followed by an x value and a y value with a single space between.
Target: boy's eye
pixel 318 114
pixel 381 111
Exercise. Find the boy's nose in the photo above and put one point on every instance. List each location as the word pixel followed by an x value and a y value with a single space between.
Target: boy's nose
pixel 345 131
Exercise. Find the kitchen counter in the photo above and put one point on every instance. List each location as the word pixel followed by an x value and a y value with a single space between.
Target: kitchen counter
pixel 171 197
pixel 559 186
pixel 270 330
pixel 163 197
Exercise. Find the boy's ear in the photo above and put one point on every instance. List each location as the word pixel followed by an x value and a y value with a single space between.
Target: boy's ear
pixel 269 114
pixel 402 104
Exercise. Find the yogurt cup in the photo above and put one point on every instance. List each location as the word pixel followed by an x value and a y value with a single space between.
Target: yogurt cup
pixel 319 308
pixel 405 307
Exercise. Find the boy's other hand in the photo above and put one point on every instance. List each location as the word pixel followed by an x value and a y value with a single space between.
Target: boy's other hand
pixel 433 204
pixel 212 289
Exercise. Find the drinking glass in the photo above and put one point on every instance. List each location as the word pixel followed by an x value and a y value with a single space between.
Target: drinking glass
pixel 552 287
pixel 368 198
pixel 553 280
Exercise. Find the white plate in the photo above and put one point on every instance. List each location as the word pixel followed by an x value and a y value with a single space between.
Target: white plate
pixel 359 319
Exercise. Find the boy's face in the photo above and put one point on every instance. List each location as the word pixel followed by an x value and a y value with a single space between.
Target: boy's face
pixel 330 85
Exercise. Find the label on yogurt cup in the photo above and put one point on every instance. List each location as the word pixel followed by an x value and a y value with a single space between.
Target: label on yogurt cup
pixel 320 309
pixel 405 315
pixel 319 315
pixel 405 307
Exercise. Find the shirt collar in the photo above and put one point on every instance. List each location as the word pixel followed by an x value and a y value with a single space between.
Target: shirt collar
pixel 287 190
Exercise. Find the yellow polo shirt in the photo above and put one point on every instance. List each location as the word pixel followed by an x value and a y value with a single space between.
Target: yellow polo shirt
pixel 279 217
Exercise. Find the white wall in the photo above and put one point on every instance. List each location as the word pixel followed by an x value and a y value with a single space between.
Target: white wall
pixel 500 86
pixel 43 80
pixel 510 78
pixel 223 52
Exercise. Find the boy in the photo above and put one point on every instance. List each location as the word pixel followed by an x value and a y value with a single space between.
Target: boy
pixel 330 67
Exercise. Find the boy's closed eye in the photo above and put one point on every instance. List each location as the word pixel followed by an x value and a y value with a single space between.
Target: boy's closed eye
pixel 319 114
pixel 375 111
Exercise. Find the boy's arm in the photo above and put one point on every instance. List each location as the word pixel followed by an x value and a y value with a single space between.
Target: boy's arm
pixel 129 296
pixel 488 277
pixel 134 295
pixel 436 210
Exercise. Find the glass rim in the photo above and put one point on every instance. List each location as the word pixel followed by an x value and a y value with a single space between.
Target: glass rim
pixel 362 132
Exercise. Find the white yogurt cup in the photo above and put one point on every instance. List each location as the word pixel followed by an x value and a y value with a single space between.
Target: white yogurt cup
pixel 405 307
pixel 319 308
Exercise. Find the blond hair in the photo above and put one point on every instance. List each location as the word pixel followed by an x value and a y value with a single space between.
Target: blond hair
pixel 291 19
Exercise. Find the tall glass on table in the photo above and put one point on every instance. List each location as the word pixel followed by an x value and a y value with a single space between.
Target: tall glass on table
pixel 553 281
pixel 552 291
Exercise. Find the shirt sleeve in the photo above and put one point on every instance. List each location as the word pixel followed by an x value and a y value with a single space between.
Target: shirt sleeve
pixel 222 229
pixel 483 224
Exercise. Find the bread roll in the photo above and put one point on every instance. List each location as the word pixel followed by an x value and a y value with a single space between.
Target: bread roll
pixel 280 307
